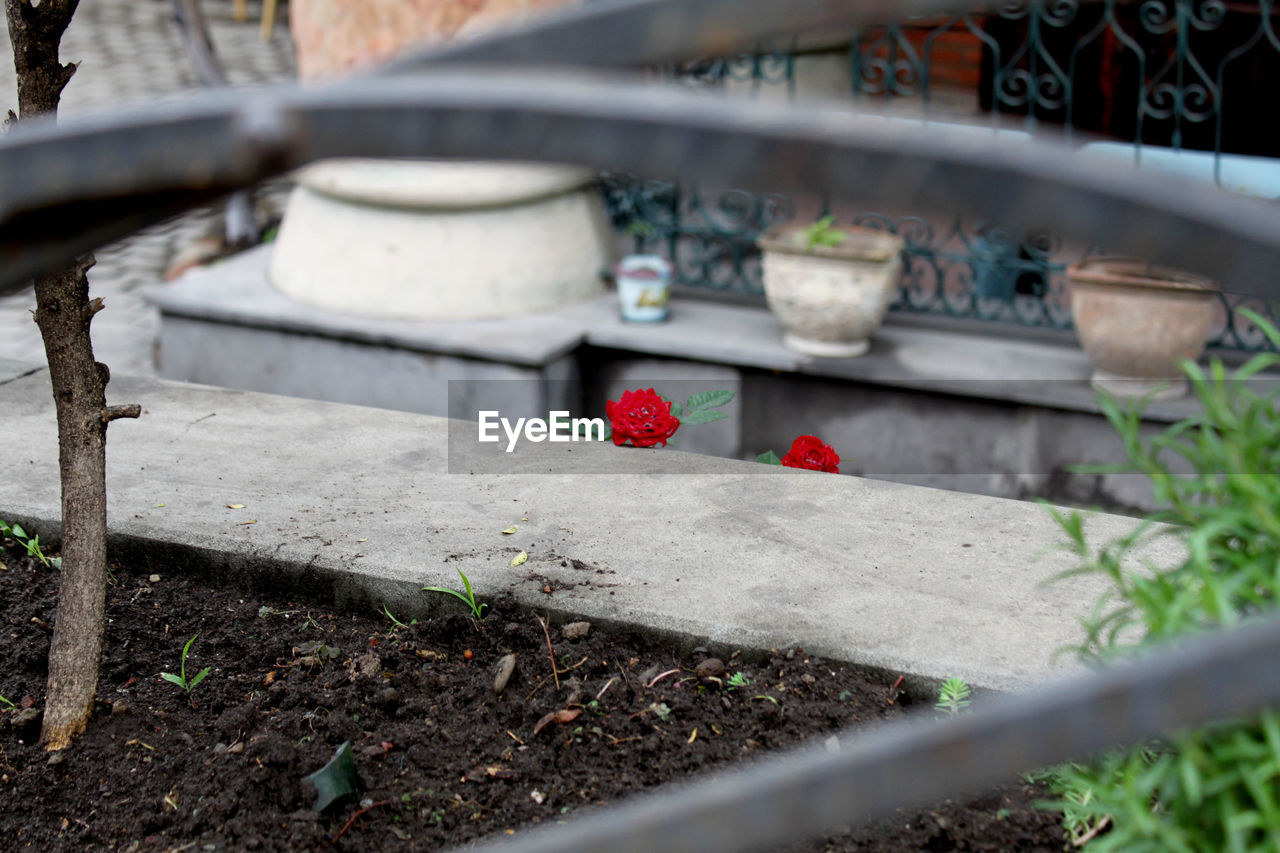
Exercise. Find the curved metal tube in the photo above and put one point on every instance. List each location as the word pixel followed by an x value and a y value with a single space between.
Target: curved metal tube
pixel 69 188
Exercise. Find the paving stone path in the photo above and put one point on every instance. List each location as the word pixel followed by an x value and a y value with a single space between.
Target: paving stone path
pixel 131 51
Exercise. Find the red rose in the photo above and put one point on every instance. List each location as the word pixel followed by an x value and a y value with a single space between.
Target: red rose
pixel 810 453
pixel 642 416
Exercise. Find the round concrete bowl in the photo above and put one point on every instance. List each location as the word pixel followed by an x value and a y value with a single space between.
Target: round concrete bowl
pixel 424 240
pixel 830 299
pixel 1137 321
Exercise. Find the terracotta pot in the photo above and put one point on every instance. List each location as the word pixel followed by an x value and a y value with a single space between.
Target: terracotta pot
pixel 1137 321
pixel 830 299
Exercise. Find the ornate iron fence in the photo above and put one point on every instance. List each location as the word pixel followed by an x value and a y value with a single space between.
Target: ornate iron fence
pixel 1160 76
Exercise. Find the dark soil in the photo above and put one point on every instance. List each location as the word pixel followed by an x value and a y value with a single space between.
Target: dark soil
pixel 443 760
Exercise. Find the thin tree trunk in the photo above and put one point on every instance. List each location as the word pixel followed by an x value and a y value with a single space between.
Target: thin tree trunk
pixel 64 313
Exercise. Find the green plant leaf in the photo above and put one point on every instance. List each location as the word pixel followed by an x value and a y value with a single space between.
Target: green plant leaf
pixel 708 400
pixel 510 530
pixel 175 679
pixel 677 411
pixel 18 532
pixel 448 591
pixel 337 779
pixel 769 458
pixel 519 559
pixel 199 677
pixel 702 416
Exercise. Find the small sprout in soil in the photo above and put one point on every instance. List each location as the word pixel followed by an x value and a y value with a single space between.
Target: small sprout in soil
pixel 30 543
pixel 662 710
pixel 395 621
pixel 310 622
pixel 336 780
pixel 477 610
pixel 953 696
pixel 9 706
pixel 767 698
pixel 737 680
pixel 844 694
pixel 181 679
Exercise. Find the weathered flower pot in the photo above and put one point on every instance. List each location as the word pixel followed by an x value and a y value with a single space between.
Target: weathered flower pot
pixel 1137 321
pixel 830 299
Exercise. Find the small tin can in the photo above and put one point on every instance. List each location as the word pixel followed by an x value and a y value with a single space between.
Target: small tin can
pixel 644 288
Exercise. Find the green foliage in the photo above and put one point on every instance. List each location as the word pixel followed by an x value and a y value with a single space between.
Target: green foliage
pixel 477 610
pixel 737 680
pixel 953 696
pixel 181 678
pixel 769 458
pixel 8 706
pixel 336 780
pixel 30 543
pixel 396 622
pixel 698 409
pixel 1214 788
pixel 823 233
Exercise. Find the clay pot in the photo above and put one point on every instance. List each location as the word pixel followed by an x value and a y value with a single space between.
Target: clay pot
pixel 830 299
pixel 1137 321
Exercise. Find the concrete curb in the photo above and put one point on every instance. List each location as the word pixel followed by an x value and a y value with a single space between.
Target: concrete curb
pixel 357 504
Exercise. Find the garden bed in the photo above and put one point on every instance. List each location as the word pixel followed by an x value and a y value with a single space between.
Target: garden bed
pixel 443 759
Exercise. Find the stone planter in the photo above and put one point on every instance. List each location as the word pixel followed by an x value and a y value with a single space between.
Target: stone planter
pixel 830 299
pixel 424 240
pixel 1137 321
pixel 432 240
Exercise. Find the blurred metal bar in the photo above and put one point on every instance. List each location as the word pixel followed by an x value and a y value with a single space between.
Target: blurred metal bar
pixel 626 33
pixel 66 189
pixel 800 794
pixel 240 226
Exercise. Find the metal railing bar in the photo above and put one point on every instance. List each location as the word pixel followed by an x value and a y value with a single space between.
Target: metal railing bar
pixel 803 793
pixel 632 33
pixel 80 175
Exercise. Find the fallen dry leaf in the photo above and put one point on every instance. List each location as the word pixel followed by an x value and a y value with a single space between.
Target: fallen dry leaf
pixel 564 715
pixel 243 523
pixel 510 530
pixel 519 559
pixel 235 506
pixel 365 539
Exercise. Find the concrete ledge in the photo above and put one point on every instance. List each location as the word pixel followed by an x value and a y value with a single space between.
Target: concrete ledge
pixel 236 294
pixel 900 578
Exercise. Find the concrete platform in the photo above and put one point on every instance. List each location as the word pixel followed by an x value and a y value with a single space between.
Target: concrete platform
pixel 359 502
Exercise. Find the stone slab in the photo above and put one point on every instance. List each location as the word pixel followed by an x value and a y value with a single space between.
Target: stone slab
pixel 1045 373
pixel 237 292
pixel 11 370
pixel 901 578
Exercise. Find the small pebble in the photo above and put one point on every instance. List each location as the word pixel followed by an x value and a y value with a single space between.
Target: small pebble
pixel 119 707
pixel 154 579
pixel 236 748
pixel 575 630
pixel 710 668
pixel 506 666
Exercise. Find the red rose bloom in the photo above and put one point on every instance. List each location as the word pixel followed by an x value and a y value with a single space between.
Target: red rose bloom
pixel 643 417
pixel 810 453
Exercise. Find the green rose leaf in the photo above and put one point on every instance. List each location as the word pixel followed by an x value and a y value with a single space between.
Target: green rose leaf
pixel 708 400
pixel 769 458
pixel 702 416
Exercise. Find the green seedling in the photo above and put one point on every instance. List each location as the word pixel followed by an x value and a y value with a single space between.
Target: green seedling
pixel 823 233
pixel 953 696
pixel 477 610
pixel 181 678
pixel 737 680
pixel 30 543
pixel 9 706
pixel 395 621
